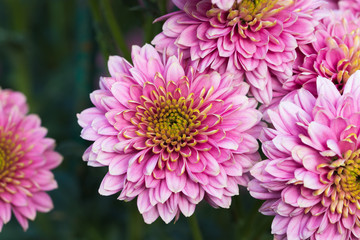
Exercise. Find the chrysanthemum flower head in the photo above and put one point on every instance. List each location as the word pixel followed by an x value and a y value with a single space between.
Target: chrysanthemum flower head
pixel 26 161
pixel 310 180
pixel 256 39
pixel 334 55
pixel 170 137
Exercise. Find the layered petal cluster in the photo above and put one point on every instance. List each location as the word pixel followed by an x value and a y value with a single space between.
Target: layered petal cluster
pixel 334 55
pixel 254 39
pixel 170 137
pixel 311 179
pixel 26 160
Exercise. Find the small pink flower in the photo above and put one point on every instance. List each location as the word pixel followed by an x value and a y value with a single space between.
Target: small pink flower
pixel 170 137
pixel 311 179
pixel 255 39
pixel 26 158
pixel 334 55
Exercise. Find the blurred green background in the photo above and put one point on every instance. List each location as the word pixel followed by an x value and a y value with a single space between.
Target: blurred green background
pixel 54 52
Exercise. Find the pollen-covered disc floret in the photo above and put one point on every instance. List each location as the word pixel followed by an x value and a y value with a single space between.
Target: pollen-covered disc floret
pixel 311 179
pixel 170 138
pixel 171 123
pixel 344 172
pixel 26 158
pixel 253 39
pixel 334 55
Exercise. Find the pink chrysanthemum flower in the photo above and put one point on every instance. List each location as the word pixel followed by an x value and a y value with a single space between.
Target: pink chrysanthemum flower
pixel 334 55
pixel 26 158
pixel 255 38
pixel 311 179
pixel 168 137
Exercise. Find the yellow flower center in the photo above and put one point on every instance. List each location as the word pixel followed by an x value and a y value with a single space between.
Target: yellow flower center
pixel 344 183
pixel 249 12
pixel 6 147
pixel 172 122
pixel 2 159
pixel 347 177
pixel 10 154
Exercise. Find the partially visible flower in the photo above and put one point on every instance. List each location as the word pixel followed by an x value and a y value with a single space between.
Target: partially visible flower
pixel 253 38
pixel 334 55
pixel 311 179
pixel 170 137
pixel 26 161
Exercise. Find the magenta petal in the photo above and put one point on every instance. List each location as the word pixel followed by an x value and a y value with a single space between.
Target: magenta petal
pixel 188 36
pixel 186 207
pixel 111 184
pixel 118 65
pixel 165 213
pixel 318 134
pixel 21 219
pixel 174 182
pixel 135 172
pixel 212 166
pixel 151 215
pixel 174 71
pixel 143 202
pixel 162 192
pixel 279 224
pixel 119 164
pixel 5 212
pixel 150 165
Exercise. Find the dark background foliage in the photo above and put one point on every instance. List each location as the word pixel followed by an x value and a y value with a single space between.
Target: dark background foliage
pixel 54 52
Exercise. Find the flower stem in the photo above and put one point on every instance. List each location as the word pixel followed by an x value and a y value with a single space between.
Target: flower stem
pixel 101 38
pixel 136 224
pixel 195 229
pixel 115 28
pixel 19 56
pixel 162 6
